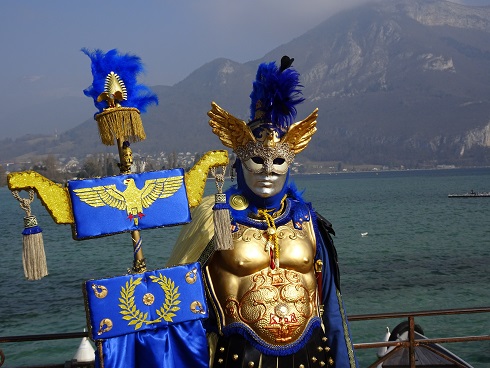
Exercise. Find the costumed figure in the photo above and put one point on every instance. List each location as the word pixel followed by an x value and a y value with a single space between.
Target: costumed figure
pixel 273 287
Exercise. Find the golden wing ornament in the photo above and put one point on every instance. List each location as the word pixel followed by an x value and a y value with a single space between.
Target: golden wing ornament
pixel 104 195
pixel 159 188
pixel 300 133
pixel 231 131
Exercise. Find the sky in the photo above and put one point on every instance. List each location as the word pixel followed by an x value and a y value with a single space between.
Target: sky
pixel 41 62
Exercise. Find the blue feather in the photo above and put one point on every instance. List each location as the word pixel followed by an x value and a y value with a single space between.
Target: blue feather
pixel 128 67
pixel 278 91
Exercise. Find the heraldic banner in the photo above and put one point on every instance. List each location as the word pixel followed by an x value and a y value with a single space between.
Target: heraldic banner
pixel 153 319
pixel 115 204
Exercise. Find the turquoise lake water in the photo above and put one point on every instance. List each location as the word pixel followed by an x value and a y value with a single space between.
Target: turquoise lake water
pixel 423 251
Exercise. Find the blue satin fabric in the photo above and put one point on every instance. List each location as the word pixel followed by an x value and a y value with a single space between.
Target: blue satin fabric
pixel 180 345
pixel 149 320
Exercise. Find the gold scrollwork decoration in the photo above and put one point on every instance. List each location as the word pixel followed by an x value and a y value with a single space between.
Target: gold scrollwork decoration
pixel 196 307
pixel 104 326
pixel 166 312
pixel 191 276
pixel 100 291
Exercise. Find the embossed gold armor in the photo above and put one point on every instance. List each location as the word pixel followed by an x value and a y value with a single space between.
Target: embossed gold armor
pixel 276 305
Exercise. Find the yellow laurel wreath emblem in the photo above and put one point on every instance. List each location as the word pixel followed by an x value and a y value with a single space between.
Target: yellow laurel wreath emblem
pixel 135 316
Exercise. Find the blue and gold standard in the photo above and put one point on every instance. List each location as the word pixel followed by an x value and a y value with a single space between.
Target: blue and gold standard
pixel 103 206
pixel 155 312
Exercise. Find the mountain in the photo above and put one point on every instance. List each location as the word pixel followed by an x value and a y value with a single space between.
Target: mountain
pixel 397 82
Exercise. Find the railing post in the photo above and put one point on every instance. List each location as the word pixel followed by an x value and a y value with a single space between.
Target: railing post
pixel 411 347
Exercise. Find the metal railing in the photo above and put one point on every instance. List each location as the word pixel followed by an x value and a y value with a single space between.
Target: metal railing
pixel 44 337
pixel 411 343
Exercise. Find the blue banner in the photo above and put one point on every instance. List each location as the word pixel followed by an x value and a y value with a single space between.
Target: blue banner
pixel 115 204
pixel 152 319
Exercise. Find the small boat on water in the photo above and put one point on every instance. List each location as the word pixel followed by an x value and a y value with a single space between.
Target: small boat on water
pixel 471 194
pixel 426 354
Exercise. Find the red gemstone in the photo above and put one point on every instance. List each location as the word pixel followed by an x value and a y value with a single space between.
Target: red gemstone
pixel 272 263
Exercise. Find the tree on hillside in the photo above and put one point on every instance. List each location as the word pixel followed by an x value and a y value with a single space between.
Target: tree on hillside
pixel 90 168
pixel 48 167
pixel 98 165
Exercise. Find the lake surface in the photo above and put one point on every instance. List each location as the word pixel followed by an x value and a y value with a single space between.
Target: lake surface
pixel 423 251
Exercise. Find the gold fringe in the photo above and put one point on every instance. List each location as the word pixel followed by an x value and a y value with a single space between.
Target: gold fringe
pixel 120 122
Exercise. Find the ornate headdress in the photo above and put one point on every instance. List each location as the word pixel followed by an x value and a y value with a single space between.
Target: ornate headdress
pixel 270 131
pixel 118 96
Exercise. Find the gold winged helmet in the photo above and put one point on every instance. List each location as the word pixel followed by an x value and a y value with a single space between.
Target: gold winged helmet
pixel 132 199
pixel 235 133
pixel 271 131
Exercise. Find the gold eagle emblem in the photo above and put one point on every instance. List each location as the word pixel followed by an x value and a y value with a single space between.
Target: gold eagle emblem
pixel 132 199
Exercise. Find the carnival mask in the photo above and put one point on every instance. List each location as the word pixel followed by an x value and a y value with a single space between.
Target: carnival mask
pixel 267 145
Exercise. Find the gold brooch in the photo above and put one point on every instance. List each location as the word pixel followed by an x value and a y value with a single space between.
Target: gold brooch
pixel 238 202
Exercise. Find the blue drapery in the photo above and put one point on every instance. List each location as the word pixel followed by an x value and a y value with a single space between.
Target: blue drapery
pixel 149 320
pixel 180 345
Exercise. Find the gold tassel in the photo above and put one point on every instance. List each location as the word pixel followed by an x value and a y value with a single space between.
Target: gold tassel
pixel 33 255
pixel 221 214
pixel 120 122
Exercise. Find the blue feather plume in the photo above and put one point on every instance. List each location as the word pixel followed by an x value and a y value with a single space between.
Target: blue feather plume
pixel 279 91
pixel 128 67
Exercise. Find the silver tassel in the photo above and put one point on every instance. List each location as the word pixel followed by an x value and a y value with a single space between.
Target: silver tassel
pixel 221 214
pixel 33 255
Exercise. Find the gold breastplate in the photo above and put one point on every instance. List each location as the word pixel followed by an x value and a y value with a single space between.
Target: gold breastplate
pixel 274 305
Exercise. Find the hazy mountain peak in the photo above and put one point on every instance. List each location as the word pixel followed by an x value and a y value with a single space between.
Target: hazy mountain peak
pixel 441 13
pixel 396 82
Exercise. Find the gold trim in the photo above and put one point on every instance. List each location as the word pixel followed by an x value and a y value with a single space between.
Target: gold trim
pixel 348 342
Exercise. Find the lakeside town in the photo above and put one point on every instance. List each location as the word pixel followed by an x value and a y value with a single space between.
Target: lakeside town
pixel 61 169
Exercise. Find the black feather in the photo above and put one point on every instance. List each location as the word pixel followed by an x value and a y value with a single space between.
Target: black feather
pixel 286 62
